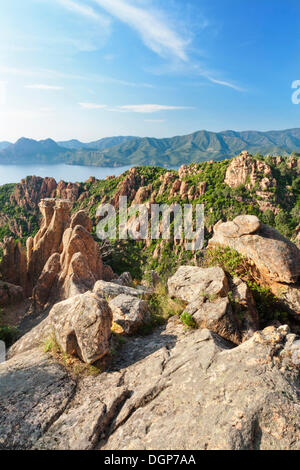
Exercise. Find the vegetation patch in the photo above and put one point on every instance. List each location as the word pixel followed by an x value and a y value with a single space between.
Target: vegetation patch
pixel 188 320
pixel 72 364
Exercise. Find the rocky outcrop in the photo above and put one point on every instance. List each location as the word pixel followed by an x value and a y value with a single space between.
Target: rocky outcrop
pixel 61 261
pixel 247 171
pixel 68 191
pixel 170 390
pixel 48 240
pixel 215 303
pixel 275 258
pixel 129 186
pixel 74 268
pixel 31 190
pixel 130 313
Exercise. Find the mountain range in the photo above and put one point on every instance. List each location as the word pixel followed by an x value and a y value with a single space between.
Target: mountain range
pixel 120 151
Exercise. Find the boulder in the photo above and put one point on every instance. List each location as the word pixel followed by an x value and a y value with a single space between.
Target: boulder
pixel 190 282
pixel 129 312
pixel 276 258
pixel 82 326
pixel 226 308
pixel 112 289
pixel 216 316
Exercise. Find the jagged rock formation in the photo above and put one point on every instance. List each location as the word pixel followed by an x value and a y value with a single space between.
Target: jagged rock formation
pixel 207 293
pixel 276 259
pixel 62 260
pixel 31 190
pixel 48 240
pixel 245 170
pixel 74 265
pixel 171 390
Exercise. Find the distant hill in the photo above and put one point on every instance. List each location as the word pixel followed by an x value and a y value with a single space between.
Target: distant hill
pixel 4 145
pixel 31 151
pixel 119 151
pixel 100 144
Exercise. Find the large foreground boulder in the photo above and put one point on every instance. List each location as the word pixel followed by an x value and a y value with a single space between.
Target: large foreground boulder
pixel 170 390
pixel 276 259
pixel 82 326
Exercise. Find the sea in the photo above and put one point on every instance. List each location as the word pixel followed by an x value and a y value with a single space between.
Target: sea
pixel 72 173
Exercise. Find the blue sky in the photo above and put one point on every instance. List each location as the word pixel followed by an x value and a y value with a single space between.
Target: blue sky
pixel 87 69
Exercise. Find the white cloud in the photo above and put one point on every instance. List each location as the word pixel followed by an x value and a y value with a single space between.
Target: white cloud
pixel 92 106
pixel 134 108
pixel 149 108
pixel 44 87
pixel 84 10
pixel 151 26
pixel 223 83
pixel 159 36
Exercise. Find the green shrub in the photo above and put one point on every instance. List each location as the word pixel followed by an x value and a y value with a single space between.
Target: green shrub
pixel 188 320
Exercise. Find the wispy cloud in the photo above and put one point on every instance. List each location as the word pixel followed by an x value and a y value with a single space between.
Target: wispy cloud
pixel 44 87
pixel 92 106
pixel 152 27
pixel 84 10
pixel 149 108
pixel 222 82
pixel 134 108
pixel 160 36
